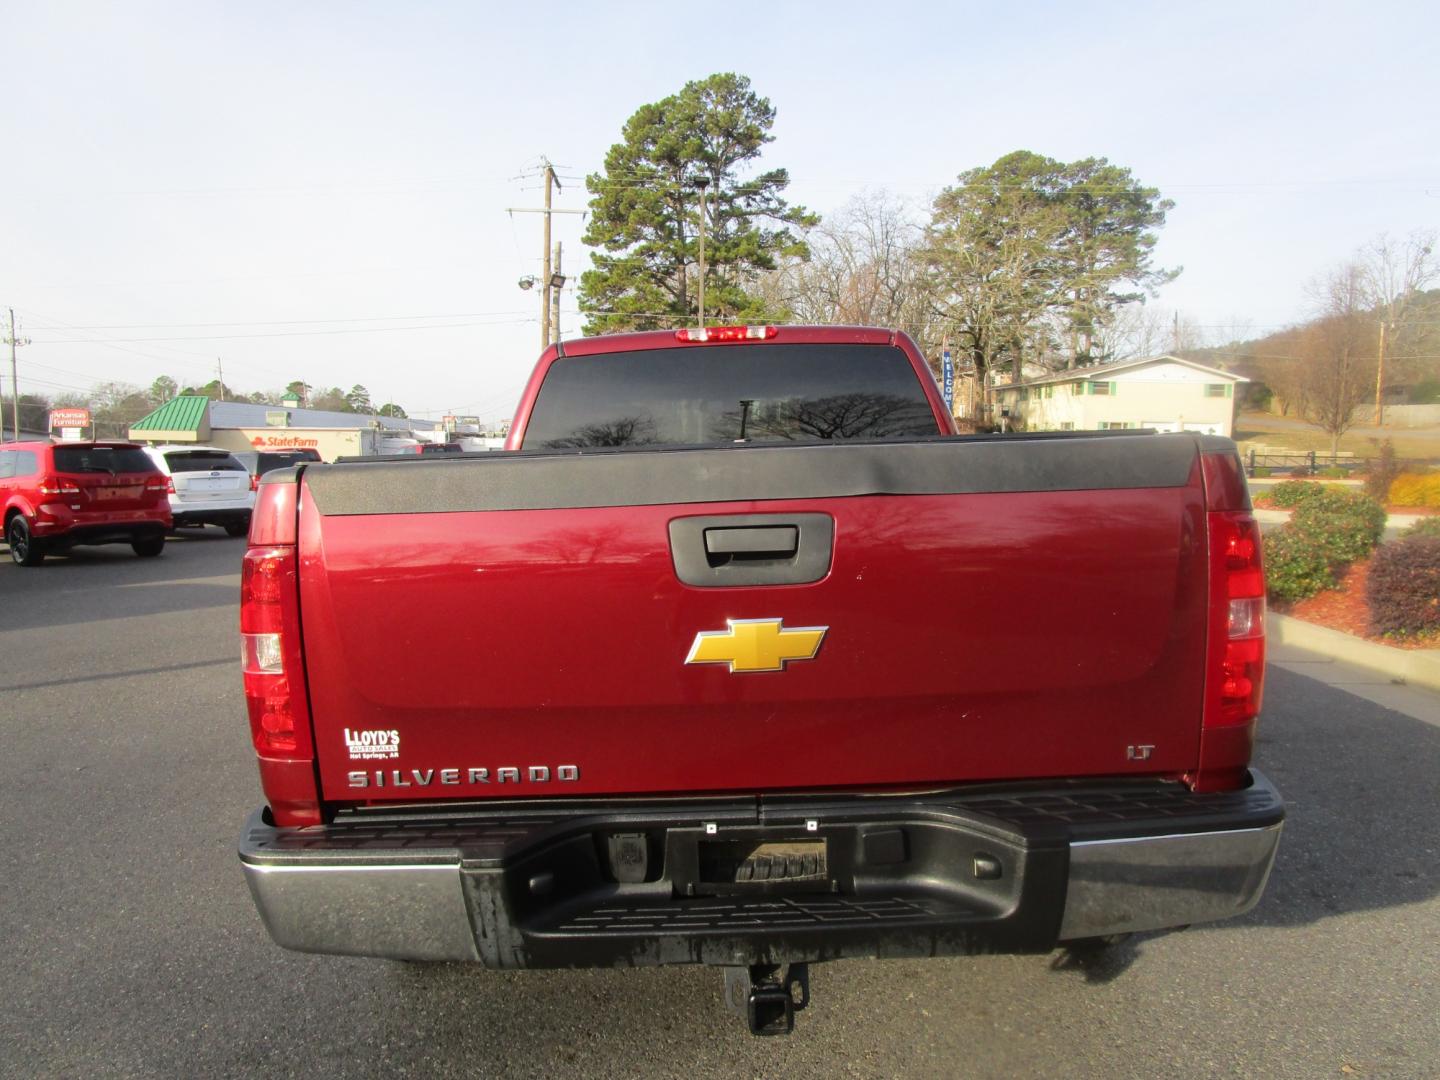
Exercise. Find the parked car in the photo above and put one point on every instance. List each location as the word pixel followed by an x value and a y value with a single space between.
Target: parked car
pixel 439 448
pixel 259 462
pixel 207 486
pixel 58 495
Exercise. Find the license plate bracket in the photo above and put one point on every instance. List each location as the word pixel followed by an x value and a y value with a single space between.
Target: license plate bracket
pixel 747 862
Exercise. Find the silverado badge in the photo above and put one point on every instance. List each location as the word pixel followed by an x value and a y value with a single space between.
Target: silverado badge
pixel 756 645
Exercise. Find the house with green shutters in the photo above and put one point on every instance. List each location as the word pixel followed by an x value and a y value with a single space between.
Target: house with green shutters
pixel 1164 393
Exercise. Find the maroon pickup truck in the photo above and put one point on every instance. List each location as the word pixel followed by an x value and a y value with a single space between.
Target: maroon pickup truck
pixel 759 664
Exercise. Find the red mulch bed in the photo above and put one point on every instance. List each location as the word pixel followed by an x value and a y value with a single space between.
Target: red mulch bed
pixel 1344 608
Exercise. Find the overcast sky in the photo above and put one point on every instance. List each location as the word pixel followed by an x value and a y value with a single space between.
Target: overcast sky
pixel 319 190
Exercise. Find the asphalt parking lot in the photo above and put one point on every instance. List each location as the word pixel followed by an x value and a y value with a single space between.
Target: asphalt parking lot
pixel 129 946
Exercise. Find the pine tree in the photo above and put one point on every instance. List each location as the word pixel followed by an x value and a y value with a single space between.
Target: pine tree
pixel 645 212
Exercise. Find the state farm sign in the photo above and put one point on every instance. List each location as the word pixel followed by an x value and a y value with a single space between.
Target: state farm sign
pixel 284 442
pixel 329 443
pixel 69 418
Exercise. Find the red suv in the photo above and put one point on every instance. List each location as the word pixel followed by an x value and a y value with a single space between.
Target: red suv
pixel 57 495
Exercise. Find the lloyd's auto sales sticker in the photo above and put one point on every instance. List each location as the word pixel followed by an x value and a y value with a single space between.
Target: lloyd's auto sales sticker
pixel 372 745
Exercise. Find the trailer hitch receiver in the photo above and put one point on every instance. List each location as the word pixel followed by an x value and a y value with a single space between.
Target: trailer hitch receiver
pixel 768 995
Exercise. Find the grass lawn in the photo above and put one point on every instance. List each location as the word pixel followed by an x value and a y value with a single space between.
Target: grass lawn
pixel 1253 427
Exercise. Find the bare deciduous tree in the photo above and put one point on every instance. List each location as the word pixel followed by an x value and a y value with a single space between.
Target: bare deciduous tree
pixel 1337 352
pixel 863 270
pixel 1393 274
pixel 1141 330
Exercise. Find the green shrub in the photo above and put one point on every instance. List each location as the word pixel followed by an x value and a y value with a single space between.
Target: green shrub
pixel 1259 471
pixel 1426 526
pixel 1345 524
pixel 1292 493
pixel 1334 472
pixel 1295 565
pixel 1300 473
pixel 1403 587
pixel 1334 499
pixel 1343 537
pixel 1331 527
pixel 1384 467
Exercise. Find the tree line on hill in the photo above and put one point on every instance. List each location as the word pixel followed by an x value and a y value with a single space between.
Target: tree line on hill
pixel 114 406
pixel 1373 340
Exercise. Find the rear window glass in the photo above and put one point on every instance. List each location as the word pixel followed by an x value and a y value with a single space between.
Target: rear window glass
pixel 105 459
pixel 724 394
pixel 202 461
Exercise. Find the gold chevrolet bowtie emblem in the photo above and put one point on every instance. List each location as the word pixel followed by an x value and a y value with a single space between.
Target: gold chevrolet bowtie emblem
pixel 756 645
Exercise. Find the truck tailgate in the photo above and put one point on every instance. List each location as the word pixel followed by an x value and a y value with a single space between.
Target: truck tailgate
pixel 514 624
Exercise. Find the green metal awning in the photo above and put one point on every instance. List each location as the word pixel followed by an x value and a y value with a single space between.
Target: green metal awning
pixel 182 419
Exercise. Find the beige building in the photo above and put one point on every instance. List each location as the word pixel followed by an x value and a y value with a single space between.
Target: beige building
pixel 1164 393
pixel 242 425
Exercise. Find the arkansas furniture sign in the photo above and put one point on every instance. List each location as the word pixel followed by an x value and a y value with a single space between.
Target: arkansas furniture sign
pixel 69 420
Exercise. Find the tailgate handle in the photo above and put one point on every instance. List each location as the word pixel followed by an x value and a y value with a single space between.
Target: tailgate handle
pixel 728 550
pixel 775 542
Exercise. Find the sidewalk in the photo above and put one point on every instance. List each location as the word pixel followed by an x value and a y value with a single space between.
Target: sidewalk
pixel 1383 690
pixel 1279 517
pixel 1418 668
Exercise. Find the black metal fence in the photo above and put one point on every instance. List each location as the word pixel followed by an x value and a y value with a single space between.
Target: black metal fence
pixel 1312 461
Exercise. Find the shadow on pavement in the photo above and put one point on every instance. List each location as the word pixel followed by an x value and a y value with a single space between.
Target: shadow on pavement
pixel 158 599
pixel 166 670
pixel 91 584
pixel 1349 845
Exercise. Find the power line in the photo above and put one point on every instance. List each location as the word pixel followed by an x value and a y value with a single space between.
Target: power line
pixel 284 333
pixel 294 322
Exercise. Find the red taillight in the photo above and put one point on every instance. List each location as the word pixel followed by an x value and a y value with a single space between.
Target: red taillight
pixel 271 661
pixel 1235 661
pixel 267 588
pixel 1237 641
pixel 58 485
pixel 170 485
pixel 156 483
pixel 1235 651
pixel 254 481
pixel 727 333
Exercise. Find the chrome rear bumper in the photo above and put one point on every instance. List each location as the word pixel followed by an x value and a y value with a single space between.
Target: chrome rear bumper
pixel 1154 882
pixel 982 870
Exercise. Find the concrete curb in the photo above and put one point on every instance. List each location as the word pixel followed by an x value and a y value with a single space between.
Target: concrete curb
pixel 1267 516
pixel 1414 667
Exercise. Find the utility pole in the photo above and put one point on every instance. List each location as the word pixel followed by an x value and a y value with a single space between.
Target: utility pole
pixel 557 279
pixel 552 183
pixel 13 342
pixel 1380 379
pixel 702 182
pixel 220 371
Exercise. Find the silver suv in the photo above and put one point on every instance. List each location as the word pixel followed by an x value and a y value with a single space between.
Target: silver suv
pixel 207 486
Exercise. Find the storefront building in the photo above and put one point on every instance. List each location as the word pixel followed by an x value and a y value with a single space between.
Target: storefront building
pixel 241 425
